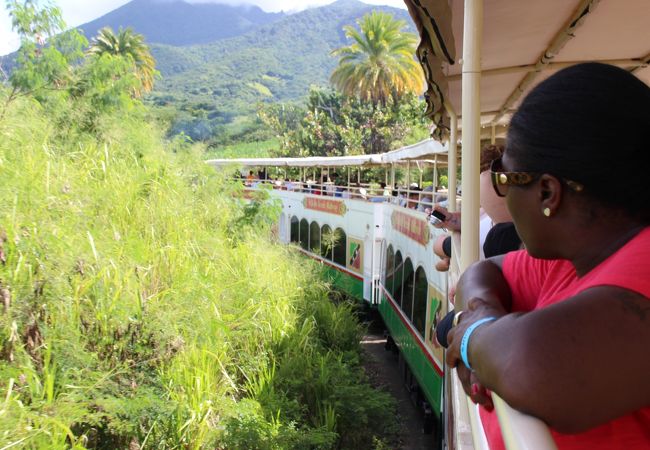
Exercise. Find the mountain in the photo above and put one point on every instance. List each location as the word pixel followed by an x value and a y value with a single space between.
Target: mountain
pixel 275 62
pixel 177 23
pixel 219 62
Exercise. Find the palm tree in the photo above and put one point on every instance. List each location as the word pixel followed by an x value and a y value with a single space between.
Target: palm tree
pixel 130 45
pixel 380 63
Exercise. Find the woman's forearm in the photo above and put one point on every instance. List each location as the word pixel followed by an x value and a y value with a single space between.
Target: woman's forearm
pixel 484 280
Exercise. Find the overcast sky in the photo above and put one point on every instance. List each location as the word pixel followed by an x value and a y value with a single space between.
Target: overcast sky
pixel 77 12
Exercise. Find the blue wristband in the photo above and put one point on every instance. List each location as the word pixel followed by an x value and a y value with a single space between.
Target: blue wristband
pixel 464 342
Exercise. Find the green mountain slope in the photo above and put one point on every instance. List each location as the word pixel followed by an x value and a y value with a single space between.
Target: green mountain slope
pixel 275 62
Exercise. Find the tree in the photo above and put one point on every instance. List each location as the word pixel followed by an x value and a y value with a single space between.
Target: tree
pixel 380 64
pixel 126 43
pixel 46 54
pixel 334 125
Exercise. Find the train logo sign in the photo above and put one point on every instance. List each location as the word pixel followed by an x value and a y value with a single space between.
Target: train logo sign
pixel 325 205
pixel 355 254
pixel 413 227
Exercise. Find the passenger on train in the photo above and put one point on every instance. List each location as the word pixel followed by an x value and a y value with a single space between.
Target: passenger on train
pixel 561 330
pixel 413 197
pixel 249 179
pixel 496 231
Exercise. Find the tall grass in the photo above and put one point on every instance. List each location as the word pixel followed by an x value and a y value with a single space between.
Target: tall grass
pixel 144 308
pixel 258 149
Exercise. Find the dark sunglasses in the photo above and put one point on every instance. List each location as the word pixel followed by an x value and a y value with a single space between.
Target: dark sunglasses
pixel 501 180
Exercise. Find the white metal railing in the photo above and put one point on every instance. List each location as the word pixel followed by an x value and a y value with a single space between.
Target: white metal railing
pixel 407 197
pixel 519 431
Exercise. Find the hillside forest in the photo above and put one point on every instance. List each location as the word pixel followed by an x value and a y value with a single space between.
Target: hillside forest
pixel 135 311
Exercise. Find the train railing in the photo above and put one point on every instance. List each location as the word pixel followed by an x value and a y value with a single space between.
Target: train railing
pixel 421 200
pixel 519 431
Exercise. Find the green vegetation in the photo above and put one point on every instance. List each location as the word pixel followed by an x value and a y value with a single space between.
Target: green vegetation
pixel 130 45
pixel 259 149
pixel 379 64
pixel 142 304
pixel 214 85
pixel 335 125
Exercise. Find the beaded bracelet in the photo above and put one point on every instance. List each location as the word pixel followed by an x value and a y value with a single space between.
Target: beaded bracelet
pixel 464 342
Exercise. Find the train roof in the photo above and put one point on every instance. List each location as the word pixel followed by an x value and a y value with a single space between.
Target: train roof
pixel 522 43
pixel 428 150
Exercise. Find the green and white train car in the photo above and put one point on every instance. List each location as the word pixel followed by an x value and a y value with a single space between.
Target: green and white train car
pixel 373 249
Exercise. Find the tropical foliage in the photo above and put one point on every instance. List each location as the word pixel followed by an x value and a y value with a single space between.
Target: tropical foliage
pixel 379 65
pixel 334 125
pixel 134 311
pixel 130 45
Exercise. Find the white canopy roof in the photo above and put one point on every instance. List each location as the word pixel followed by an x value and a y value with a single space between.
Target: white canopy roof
pixel 425 150
pixel 524 42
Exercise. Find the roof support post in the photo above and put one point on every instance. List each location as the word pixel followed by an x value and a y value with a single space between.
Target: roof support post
pixel 452 158
pixel 408 175
pixel 471 101
pixel 435 173
pixel 493 134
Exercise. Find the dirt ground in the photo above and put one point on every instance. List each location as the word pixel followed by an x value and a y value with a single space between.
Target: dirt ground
pixel 382 368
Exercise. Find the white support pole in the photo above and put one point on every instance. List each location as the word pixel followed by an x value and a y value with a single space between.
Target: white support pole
pixel 408 174
pixel 392 176
pixel 348 169
pixel 435 172
pixel 452 158
pixel 471 92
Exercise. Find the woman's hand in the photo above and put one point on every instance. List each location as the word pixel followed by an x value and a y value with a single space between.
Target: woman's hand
pixel 477 309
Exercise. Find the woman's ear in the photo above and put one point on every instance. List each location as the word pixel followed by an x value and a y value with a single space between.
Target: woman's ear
pixel 550 194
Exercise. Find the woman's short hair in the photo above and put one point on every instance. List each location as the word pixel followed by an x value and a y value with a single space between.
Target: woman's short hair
pixel 488 154
pixel 589 123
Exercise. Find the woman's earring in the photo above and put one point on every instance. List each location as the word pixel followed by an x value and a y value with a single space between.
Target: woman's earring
pixel 546 212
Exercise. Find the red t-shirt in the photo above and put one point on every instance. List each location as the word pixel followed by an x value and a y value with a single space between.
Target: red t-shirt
pixel 537 283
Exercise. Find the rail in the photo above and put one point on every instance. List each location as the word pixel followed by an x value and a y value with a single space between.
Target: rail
pixel 519 431
pixel 408 197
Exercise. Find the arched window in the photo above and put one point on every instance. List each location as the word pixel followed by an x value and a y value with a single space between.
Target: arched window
pixel 314 237
pixel 396 287
pixel 389 268
pixel 304 234
pixel 407 292
pixel 340 244
pixel 420 295
pixel 327 244
pixel 295 229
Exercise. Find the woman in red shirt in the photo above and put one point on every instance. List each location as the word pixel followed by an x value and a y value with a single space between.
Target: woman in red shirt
pixel 561 330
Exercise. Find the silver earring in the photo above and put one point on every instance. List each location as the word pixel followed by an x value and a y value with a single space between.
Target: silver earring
pixel 547 212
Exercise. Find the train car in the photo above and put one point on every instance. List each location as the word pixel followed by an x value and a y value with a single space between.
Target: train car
pixel 375 246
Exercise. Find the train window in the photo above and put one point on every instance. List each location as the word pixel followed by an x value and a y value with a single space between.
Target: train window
pixel 295 229
pixel 340 244
pixel 327 243
pixel 396 288
pixel 314 237
pixel 390 268
pixel 420 292
pixel 304 234
pixel 407 286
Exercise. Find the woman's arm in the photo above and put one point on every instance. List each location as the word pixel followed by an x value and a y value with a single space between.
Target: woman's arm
pixel 576 364
pixel 484 280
